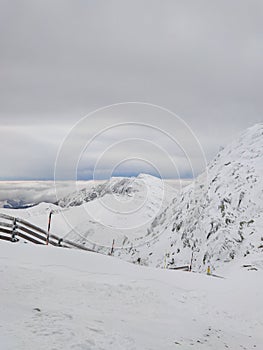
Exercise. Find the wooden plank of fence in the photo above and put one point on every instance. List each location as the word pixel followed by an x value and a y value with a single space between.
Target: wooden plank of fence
pixel 7 217
pixel 6 238
pixel 4 230
pixel 31 233
pixel 186 268
pixel 6 224
pixel 39 237
pixel 76 245
pixel 23 222
pixel 22 235
pixel 34 227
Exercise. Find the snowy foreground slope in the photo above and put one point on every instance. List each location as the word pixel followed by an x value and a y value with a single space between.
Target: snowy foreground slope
pixel 55 298
pixel 217 218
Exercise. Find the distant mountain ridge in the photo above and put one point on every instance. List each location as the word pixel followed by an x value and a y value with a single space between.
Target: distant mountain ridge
pixel 16 204
pixel 115 185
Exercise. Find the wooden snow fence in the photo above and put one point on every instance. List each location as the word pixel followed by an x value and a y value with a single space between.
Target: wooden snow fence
pixel 13 228
pixel 183 268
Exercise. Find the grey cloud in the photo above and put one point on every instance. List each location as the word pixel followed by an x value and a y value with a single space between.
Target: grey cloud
pixel 132 130
pixel 31 192
pixel 59 60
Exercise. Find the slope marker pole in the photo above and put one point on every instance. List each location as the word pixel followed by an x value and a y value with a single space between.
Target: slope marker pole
pixel 48 227
pixel 112 247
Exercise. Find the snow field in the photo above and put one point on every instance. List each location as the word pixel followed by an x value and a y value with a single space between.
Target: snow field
pixel 55 298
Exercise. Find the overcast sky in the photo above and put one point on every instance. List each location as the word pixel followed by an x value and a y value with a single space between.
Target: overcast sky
pixel 61 60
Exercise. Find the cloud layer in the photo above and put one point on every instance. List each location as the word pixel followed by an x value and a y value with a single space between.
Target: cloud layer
pixel 60 60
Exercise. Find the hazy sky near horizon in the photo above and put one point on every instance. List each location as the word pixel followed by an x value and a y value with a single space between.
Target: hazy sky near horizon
pixel 63 59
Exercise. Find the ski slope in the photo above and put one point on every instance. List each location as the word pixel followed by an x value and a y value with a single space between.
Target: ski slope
pixel 55 298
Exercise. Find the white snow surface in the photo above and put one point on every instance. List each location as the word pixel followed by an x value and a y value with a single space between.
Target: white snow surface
pixel 55 298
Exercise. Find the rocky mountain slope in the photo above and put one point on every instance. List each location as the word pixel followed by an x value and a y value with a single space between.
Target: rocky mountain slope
pixel 215 219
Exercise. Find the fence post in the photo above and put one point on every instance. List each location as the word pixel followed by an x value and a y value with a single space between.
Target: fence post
pixel 14 239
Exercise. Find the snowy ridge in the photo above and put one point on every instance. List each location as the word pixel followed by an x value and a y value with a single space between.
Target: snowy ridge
pixel 125 186
pixel 218 217
pixel 122 211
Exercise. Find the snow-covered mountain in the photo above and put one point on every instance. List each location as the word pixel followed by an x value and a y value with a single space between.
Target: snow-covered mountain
pixel 119 209
pixel 120 186
pixel 216 218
